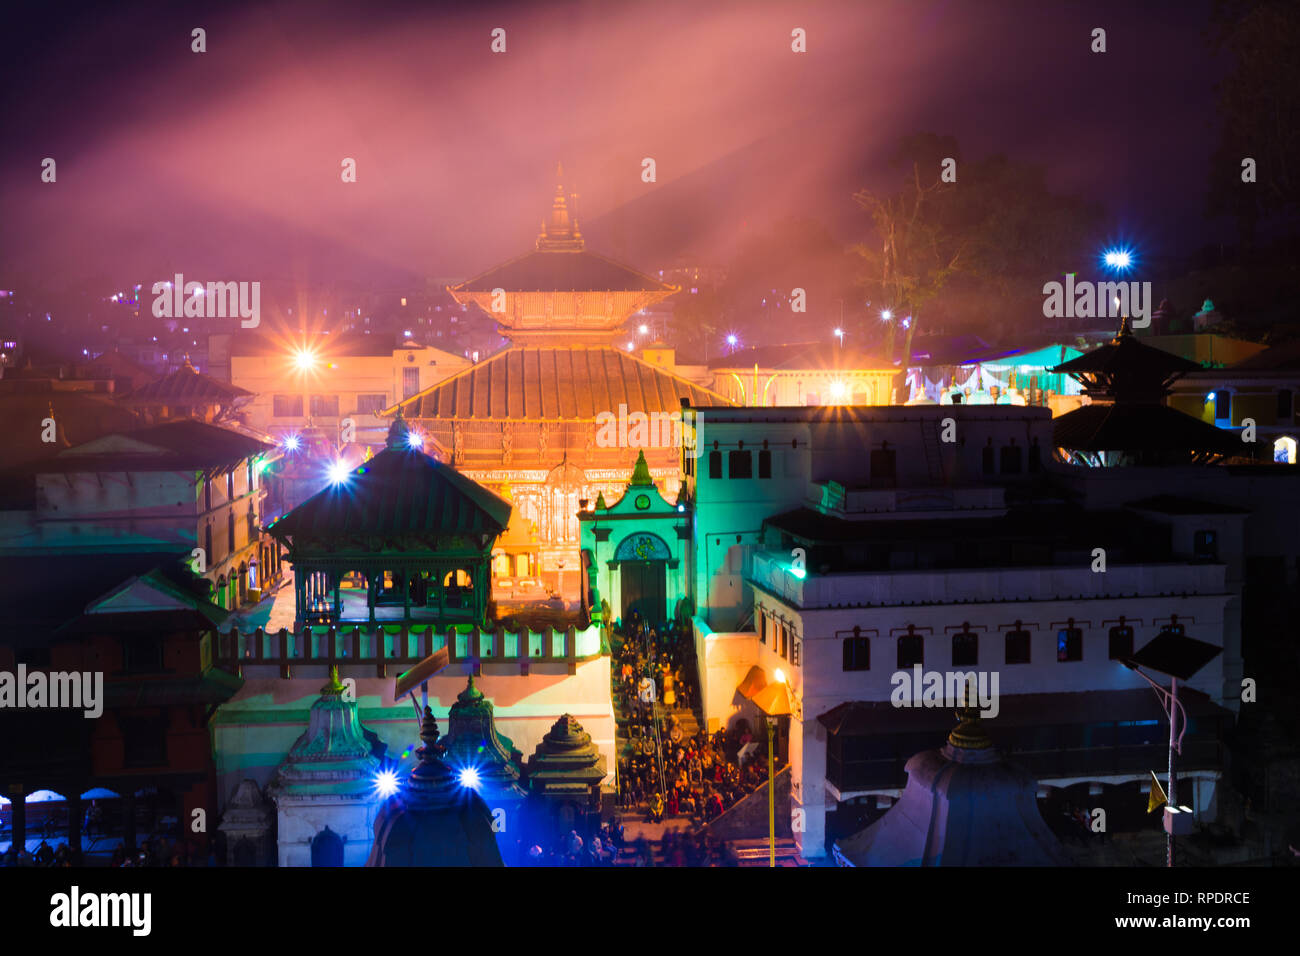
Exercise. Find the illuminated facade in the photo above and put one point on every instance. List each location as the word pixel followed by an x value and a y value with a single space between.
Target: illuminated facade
pixel 527 422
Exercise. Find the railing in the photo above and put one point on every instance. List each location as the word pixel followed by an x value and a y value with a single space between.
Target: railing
pixel 404 645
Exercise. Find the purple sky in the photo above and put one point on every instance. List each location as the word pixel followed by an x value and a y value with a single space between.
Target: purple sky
pixel 226 164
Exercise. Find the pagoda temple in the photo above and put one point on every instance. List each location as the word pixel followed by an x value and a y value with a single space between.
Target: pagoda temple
pixel 964 805
pixel 1128 422
pixel 404 537
pixel 527 416
pixel 434 819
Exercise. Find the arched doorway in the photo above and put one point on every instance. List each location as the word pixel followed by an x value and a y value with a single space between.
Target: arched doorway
pixel 642 560
pixel 327 849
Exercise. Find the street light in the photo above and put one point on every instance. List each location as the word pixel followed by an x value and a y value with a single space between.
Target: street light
pixel 839 333
pixel 1178 657
pixel 773 701
pixel 304 359
pixel 886 315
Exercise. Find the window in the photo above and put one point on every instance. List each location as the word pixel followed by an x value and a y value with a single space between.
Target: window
pixel 765 464
pixel 230 528
pixel 911 650
pixel 230 486
pixel 857 653
pixel 715 464
pixel 1017 647
pixel 965 649
pixel 286 406
pixel 325 406
pixel 1285 404
pixel 762 628
pixel 884 468
pixel 740 464
pixel 207 498
pixel 795 647
pixel 207 543
pixel 784 649
pixel 1069 644
pixel 1121 642
pixel 410 382
pixel 371 404
pixel 252 524
pixel 988 458
pixel 1035 458
pixel 1011 459
pixel 1205 546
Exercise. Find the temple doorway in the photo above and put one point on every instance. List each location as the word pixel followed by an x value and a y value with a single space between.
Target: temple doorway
pixel 644 589
pixel 327 849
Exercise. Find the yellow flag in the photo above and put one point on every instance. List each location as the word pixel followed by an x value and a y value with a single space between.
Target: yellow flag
pixel 1157 798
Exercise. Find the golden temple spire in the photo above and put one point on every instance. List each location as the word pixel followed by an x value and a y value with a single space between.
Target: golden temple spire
pixel 560 233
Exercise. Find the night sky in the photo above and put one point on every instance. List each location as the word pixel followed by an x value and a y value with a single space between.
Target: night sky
pixel 227 163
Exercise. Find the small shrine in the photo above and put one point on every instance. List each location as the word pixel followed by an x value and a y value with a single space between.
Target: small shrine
pixel 964 805
pixel 564 778
pixel 434 819
pixel 324 788
pixel 479 753
pixel 401 538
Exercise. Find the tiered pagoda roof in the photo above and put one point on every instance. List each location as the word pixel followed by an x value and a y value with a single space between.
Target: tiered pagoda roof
pixel 562 307
pixel 1127 381
pixel 1126 369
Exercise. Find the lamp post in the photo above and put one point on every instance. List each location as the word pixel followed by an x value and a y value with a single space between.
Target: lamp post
pixel 1179 657
pixel 774 701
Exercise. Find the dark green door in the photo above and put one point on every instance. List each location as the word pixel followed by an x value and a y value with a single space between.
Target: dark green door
pixel 644 590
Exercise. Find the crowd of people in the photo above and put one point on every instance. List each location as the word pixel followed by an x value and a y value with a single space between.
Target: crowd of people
pixel 667 773
pixel 608 846
pixel 151 853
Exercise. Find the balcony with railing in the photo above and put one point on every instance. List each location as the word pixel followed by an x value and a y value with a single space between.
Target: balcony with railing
pixel 399 646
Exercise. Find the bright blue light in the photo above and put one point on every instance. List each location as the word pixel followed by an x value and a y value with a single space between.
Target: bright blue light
pixel 386 783
pixel 415 440
pixel 1118 259
pixel 292 442
pixel 469 778
pixel 732 340
pixel 799 573
pixel 886 315
pixel 1210 397
pixel 339 472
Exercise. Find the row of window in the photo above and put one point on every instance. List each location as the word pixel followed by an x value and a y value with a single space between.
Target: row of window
pixel 740 464
pixel 325 406
pixel 784 641
pixel 1010 459
pixel 1016 647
